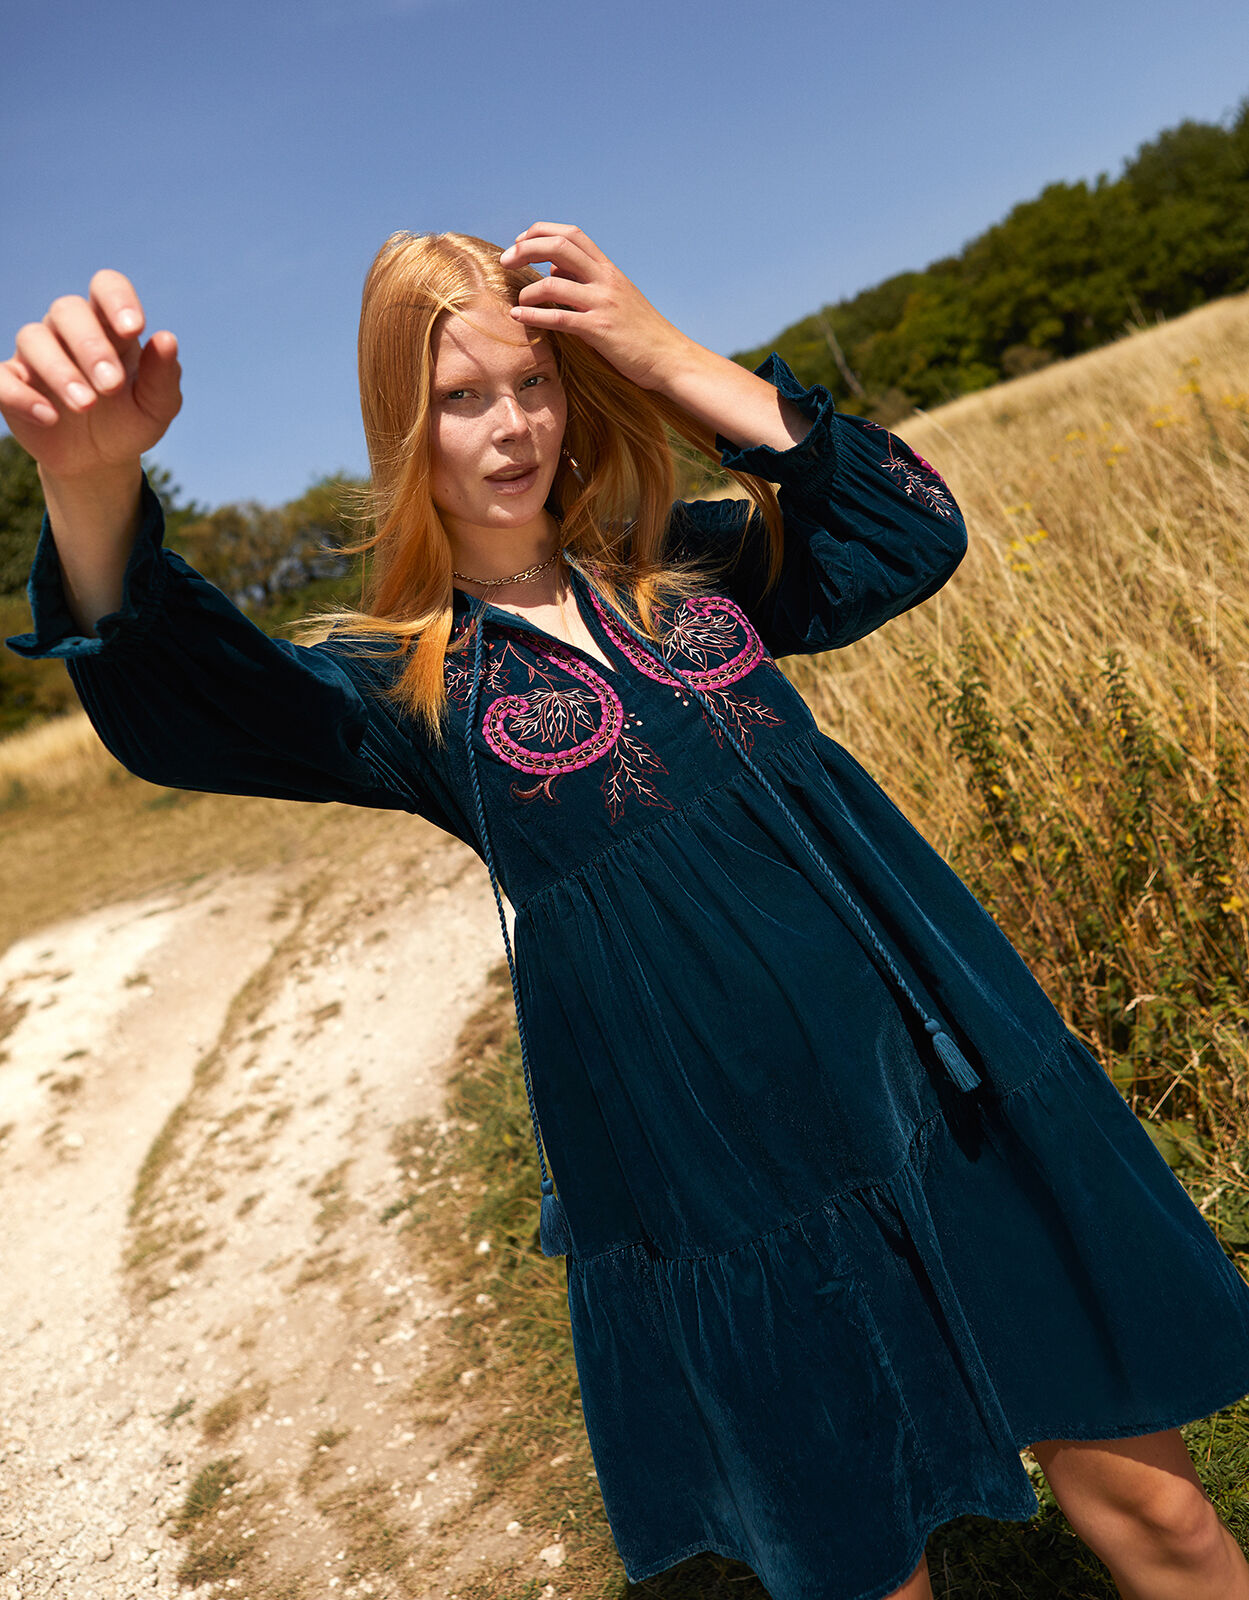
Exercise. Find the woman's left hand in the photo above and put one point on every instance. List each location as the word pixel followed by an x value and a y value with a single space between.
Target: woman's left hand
pixel 587 295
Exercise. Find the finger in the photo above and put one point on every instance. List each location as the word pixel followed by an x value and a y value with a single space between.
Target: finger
pixel 560 292
pixel 561 252
pixel 157 384
pixel 50 367
pixel 569 231
pixel 112 295
pixel 78 328
pixel 18 398
pixel 541 317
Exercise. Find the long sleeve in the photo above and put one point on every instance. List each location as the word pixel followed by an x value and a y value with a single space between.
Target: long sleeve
pixel 870 529
pixel 186 691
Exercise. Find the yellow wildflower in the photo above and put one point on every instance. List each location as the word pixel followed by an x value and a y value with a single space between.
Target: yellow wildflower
pixel 997 789
pixel 1234 904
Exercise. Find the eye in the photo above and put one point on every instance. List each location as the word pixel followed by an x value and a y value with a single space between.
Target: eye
pixel 455 394
pixel 538 377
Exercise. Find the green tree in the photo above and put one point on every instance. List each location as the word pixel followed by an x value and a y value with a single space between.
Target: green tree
pixel 237 547
pixel 178 512
pixel 21 513
pixel 329 509
pixel 1062 273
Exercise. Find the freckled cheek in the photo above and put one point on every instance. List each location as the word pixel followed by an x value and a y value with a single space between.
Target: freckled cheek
pixel 457 455
pixel 551 428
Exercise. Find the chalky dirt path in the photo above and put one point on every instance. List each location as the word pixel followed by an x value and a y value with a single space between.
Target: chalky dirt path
pixel 237 1054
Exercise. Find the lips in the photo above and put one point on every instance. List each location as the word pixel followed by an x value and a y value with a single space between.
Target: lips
pixel 514 480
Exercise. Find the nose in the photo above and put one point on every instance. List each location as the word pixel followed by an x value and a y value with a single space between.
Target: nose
pixel 510 421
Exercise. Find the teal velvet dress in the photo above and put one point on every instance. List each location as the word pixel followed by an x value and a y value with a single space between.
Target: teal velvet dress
pixel 849 1215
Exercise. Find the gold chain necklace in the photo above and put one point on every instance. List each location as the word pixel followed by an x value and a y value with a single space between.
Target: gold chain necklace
pixel 517 577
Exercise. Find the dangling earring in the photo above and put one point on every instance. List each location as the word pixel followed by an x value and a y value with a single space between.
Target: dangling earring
pixel 572 462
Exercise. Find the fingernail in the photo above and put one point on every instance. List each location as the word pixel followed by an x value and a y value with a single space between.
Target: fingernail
pixel 106 372
pixel 128 320
pixel 42 412
pixel 79 394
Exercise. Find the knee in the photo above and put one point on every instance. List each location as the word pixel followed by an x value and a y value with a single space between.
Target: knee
pixel 1134 1497
pixel 1179 1522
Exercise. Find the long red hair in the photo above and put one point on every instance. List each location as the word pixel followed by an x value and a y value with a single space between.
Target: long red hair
pixel 614 508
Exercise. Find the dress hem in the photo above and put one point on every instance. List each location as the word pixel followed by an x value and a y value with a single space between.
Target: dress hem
pixel 946 1513
pixel 1134 1430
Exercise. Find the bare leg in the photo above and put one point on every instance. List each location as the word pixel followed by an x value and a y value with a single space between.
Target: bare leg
pixel 917 1587
pixel 1140 1506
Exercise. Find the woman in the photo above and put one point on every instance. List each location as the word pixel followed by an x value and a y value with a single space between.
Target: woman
pixel 849 1215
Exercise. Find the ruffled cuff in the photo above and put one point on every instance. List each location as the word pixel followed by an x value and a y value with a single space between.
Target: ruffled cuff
pixel 808 468
pixel 55 632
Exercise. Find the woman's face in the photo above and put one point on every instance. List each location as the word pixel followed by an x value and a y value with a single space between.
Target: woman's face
pixel 497 421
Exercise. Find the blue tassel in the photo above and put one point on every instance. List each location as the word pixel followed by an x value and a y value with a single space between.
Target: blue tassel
pixel 553 1225
pixel 956 1063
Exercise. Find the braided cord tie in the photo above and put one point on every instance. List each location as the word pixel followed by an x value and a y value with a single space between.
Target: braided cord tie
pixel 553 1224
pixel 951 1057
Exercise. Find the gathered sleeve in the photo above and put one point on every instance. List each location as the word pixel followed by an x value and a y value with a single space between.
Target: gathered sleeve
pixel 870 529
pixel 186 691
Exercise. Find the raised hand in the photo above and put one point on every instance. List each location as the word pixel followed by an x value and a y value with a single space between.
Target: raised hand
pixel 587 295
pixel 80 392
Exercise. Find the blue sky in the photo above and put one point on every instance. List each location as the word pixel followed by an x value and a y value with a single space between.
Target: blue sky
pixel 744 163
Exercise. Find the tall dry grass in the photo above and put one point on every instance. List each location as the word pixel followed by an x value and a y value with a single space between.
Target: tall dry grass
pixel 51 757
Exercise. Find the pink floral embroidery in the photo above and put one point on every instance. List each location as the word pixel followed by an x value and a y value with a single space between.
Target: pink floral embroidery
pixel 701 628
pixel 928 485
pixel 529 730
pixel 698 630
pixel 551 711
pixel 536 716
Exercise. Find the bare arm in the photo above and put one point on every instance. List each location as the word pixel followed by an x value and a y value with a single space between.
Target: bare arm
pixel 94 522
pixel 87 400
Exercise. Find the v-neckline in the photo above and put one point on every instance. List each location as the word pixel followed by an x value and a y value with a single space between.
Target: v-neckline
pixel 515 618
